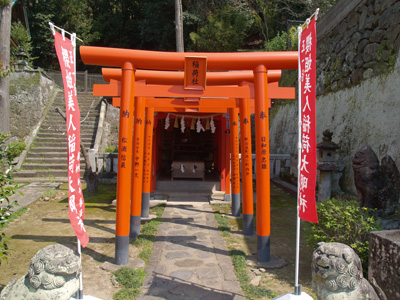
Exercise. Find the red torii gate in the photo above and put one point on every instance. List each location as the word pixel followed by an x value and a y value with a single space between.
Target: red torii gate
pixel 136 97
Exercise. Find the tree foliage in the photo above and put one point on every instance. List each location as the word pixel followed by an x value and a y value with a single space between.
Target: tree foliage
pixel 225 31
pixel 209 25
pixel 6 190
pixel 22 38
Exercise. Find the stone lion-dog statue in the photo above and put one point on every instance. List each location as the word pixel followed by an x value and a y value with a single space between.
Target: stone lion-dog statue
pixel 53 274
pixel 337 274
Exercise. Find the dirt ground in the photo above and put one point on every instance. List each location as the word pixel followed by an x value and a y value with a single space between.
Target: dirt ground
pixel 47 222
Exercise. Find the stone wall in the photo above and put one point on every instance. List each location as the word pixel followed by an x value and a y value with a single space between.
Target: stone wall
pixel 384 261
pixel 362 45
pixel 30 92
pixel 358 88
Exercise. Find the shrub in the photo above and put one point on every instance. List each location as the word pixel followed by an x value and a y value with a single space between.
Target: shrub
pixel 15 149
pixel 343 222
pixel 6 190
pixel 111 149
pixel 283 41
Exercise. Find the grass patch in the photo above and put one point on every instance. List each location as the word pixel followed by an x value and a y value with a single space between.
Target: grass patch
pixel 131 280
pixel 238 257
pixel 240 265
pixel 147 233
pixel 105 193
pixel 14 216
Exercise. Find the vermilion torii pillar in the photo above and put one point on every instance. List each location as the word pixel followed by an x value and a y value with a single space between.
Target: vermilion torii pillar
pixel 235 170
pixel 262 161
pixel 126 59
pixel 124 165
pixel 247 166
pixel 137 182
pixel 147 161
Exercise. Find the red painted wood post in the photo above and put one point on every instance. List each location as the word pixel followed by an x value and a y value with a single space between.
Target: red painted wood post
pixel 247 167
pixel 137 173
pixel 262 162
pixel 227 137
pixel 235 168
pixel 222 154
pixel 124 174
pixel 147 161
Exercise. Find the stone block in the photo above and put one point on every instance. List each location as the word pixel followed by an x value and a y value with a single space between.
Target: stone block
pixel 376 35
pixel 384 261
pixel 370 52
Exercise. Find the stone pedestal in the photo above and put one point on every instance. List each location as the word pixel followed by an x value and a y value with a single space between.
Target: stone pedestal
pixel 384 261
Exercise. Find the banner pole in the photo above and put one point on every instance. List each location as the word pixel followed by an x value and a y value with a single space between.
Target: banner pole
pixel 79 293
pixel 297 287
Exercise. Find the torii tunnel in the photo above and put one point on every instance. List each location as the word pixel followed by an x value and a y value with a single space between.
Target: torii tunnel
pixel 148 85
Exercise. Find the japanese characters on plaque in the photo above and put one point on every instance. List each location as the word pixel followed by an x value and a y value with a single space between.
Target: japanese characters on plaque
pixel 137 154
pixel 65 54
pixel 195 73
pixel 147 151
pixel 264 145
pixel 124 149
pixel 308 159
pixel 246 152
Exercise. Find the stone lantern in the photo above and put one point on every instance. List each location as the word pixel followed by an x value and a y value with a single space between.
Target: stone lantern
pixel 326 165
pixel 21 63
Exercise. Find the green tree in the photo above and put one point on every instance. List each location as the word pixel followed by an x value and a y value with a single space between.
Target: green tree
pixel 21 36
pixel 225 31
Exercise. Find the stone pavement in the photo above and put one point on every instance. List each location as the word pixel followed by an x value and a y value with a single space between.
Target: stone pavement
pixel 189 259
pixel 30 193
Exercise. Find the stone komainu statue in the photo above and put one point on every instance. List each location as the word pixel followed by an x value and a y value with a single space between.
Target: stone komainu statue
pixel 337 274
pixel 53 274
pixel 375 183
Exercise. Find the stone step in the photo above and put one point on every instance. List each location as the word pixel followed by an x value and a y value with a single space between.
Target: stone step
pixel 41 173
pixel 62 127
pixel 48 153
pixel 59 139
pixel 58 159
pixel 51 134
pixel 53 145
pixel 48 150
pixel 41 179
pixel 56 115
pixel 55 122
pixel 43 166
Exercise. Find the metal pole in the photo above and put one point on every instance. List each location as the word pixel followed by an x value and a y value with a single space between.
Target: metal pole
pixel 79 293
pixel 297 287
